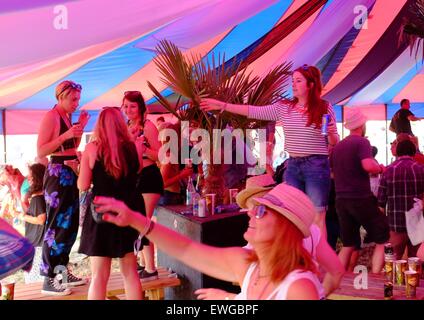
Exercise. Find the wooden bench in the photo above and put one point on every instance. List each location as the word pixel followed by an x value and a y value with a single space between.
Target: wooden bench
pixel 375 290
pixel 153 289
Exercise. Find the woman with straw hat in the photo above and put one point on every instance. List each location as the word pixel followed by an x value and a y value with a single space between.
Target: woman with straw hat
pixel 277 268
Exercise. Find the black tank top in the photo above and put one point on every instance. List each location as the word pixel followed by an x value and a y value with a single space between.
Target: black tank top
pixel 67 144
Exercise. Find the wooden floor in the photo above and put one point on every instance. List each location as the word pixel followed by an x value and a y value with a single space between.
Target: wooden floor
pixel 374 290
pixel 115 289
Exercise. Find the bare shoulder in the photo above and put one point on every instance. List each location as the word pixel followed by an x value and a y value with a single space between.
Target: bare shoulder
pixel 302 289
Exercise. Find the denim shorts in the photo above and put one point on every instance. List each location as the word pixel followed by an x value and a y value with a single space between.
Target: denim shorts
pixel 310 174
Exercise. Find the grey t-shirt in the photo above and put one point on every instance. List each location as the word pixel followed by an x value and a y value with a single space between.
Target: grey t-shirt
pixel 351 180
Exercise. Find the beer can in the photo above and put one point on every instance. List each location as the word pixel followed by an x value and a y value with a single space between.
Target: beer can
pixel 411 282
pixel 388 290
pixel 400 268
pixel 201 208
pixel 324 125
pixel 389 252
pixel 388 269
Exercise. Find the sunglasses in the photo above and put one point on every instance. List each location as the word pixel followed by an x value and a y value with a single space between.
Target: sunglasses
pixel 75 86
pixel 132 92
pixel 259 211
pixel 117 108
pixel 305 67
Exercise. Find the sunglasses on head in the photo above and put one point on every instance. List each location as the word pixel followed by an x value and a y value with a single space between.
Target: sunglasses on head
pixel 305 67
pixel 259 211
pixel 75 86
pixel 132 92
pixel 117 108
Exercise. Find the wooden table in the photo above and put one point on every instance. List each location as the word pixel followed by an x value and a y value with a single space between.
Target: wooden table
pixel 375 290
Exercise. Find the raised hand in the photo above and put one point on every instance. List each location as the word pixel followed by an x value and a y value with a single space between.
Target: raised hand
pixel 124 216
pixel 209 104
pixel 83 118
pixel 213 294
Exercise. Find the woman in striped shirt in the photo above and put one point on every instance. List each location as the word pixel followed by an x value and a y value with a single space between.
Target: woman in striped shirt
pixel 308 166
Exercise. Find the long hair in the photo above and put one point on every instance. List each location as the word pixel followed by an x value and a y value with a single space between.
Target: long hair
pixel 316 107
pixel 111 135
pixel 37 172
pixel 136 96
pixel 286 252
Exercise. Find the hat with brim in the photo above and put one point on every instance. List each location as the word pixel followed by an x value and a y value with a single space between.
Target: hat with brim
pixel 354 119
pixel 255 186
pixel 292 204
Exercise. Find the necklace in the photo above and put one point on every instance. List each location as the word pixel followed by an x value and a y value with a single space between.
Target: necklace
pixel 259 277
pixel 255 283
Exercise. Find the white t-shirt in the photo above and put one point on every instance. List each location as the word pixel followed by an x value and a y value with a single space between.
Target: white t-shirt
pixel 280 292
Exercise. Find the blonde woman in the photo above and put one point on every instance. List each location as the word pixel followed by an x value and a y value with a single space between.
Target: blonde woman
pixel 59 138
pixel 111 164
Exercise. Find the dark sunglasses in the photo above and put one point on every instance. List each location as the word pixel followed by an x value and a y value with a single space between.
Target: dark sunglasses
pixel 132 92
pixel 305 67
pixel 117 108
pixel 75 86
pixel 259 211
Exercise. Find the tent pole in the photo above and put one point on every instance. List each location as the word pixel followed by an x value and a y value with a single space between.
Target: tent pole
pixel 3 116
pixel 387 134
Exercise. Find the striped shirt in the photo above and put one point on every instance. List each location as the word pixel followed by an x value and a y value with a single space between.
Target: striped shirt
pixel 298 138
pixel 402 181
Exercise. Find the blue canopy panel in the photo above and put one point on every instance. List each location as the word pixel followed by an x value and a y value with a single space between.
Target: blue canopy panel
pixel 116 66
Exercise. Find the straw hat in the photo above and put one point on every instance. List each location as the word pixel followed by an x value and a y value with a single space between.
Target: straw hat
pixel 257 185
pixel 354 119
pixel 291 203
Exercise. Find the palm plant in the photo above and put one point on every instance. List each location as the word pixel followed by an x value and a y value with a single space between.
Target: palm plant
pixel 193 79
pixel 412 29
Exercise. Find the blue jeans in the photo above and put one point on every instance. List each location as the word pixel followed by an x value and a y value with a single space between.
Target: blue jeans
pixel 310 174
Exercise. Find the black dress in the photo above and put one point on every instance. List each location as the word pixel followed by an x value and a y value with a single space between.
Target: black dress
pixel 106 239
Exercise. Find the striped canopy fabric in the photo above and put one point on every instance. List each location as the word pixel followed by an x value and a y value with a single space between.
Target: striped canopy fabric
pixel 108 47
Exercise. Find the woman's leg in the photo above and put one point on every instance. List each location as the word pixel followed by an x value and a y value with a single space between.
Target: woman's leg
pixel 100 272
pixel 132 284
pixel 150 201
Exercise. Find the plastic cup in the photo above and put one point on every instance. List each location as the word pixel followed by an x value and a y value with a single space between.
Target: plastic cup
pixel 210 203
pixel 400 268
pixel 411 281
pixel 8 290
pixel 233 194
pixel 414 264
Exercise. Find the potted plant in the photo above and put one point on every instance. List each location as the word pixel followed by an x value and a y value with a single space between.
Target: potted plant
pixel 192 79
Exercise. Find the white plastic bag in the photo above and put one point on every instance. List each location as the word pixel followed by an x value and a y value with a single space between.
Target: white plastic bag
pixel 415 222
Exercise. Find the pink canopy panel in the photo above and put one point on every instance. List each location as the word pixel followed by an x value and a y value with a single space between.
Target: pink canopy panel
pixel 108 46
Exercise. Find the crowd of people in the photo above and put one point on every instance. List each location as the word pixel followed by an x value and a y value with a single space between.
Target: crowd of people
pixel 287 249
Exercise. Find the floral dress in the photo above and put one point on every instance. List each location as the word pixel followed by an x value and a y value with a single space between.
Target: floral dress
pixel 62 208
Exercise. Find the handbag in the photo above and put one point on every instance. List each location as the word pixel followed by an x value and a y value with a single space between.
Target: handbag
pixel 415 223
pixel 86 199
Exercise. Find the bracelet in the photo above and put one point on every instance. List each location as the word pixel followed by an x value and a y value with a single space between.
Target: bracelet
pixel 147 229
pixel 151 226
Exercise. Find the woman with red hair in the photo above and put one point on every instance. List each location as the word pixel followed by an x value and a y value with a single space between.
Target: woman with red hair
pixel 277 267
pixel 308 167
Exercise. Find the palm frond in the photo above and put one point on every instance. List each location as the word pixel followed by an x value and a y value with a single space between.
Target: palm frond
pixel 412 29
pixel 196 78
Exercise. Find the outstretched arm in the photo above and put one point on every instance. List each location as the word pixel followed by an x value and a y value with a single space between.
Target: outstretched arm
pixel 227 264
